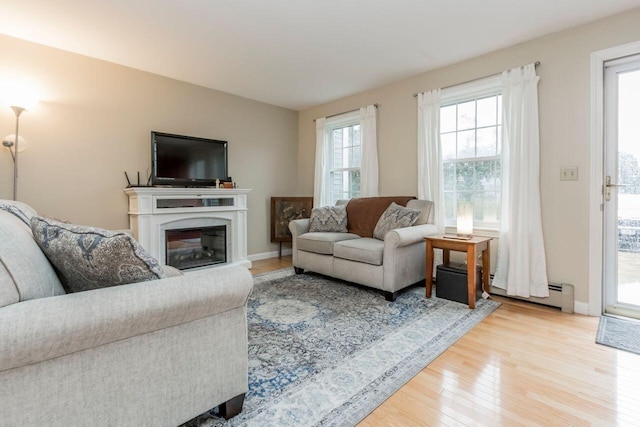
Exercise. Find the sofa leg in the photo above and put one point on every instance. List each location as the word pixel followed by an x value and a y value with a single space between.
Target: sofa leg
pixel 231 407
pixel 390 296
pixel 298 270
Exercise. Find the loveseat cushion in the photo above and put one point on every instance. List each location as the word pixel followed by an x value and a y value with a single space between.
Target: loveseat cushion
pixel 321 242
pixel 365 250
pixel 91 258
pixel 363 213
pixel 25 272
pixel 331 219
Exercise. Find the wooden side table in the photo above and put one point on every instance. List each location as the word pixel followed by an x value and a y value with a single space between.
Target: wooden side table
pixel 471 247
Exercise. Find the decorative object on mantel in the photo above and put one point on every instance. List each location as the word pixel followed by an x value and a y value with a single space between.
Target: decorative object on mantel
pixel 283 211
pixel 325 353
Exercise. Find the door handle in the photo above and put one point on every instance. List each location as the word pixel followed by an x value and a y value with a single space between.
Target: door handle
pixel 608 185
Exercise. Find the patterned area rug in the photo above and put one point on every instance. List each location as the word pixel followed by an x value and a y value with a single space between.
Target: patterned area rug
pixel 619 333
pixel 323 352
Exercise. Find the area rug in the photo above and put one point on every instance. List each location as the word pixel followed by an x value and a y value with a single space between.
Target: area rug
pixel 325 352
pixel 619 333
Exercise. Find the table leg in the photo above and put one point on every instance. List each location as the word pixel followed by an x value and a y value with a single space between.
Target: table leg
pixel 471 275
pixel 429 269
pixel 445 256
pixel 485 269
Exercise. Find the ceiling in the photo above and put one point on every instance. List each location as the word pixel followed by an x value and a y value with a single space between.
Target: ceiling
pixel 292 53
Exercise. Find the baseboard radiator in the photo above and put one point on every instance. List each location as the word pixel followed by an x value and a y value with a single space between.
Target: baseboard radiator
pixel 560 295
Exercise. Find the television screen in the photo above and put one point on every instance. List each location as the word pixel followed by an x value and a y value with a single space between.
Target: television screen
pixel 185 160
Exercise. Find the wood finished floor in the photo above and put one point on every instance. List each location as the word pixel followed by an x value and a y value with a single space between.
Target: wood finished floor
pixel 524 365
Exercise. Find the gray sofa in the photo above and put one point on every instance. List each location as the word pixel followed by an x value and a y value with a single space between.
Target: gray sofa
pixel 154 353
pixel 389 265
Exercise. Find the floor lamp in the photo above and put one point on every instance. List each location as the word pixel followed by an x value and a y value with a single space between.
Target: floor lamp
pixel 13 148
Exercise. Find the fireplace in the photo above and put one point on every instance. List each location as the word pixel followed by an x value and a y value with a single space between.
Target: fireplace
pixel 155 211
pixel 196 247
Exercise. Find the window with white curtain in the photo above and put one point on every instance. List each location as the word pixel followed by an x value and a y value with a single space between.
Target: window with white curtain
pixel 470 138
pixel 343 135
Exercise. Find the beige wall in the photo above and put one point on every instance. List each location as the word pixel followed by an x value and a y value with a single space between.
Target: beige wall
pixel 564 102
pixel 94 122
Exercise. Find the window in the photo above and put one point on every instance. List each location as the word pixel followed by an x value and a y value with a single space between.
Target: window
pixel 345 156
pixel 470 137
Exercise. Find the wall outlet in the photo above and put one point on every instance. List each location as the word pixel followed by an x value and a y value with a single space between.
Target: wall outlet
pixel 569 174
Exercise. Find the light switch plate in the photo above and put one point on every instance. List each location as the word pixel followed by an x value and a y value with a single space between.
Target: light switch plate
pixel 569 173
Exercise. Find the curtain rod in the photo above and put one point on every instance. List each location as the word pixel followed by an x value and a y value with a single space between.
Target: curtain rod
pixel 345 112
pixel 473 80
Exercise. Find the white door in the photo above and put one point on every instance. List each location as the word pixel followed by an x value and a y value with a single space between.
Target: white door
pixel 622 187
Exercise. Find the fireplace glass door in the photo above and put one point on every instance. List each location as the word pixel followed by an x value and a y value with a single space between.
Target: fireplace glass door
pixel 196 247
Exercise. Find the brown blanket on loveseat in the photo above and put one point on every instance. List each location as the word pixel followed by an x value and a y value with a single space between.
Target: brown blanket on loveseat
pixel 363 213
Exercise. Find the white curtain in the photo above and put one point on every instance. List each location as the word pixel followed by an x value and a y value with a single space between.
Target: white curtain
pixel 430 178
pixel 521 265
pixel 320 195
pixel 369 165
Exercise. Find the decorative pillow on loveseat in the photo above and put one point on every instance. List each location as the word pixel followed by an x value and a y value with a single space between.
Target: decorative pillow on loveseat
pixel 90 258
pixel 395 216
pixel 328 219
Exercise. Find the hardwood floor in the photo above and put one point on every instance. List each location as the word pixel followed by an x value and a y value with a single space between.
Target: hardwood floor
pixel 524 365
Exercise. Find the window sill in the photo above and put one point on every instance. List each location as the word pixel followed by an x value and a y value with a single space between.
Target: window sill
pixel 482 232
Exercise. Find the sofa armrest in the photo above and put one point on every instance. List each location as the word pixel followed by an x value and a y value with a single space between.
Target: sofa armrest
pixel 409 235
pixel 41 329
pixel 298 227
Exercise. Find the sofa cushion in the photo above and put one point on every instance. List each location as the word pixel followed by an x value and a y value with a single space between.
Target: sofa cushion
pixel 19 209
pixel 426 209
pixel 328 219
pixel 25 270
pixel 91 258
pixel 322 243
pixel 395 217
pixel 363 213
pixel 365 250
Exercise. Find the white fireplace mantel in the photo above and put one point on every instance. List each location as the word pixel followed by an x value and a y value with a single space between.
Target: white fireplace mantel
pixel 153 210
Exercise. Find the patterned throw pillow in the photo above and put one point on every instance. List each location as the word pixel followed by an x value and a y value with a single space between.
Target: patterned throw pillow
pixel 328 219
pixel 395 216
pixel 90 258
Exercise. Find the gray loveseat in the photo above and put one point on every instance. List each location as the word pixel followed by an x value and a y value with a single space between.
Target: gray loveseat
pixel 154 353
pixel 389 265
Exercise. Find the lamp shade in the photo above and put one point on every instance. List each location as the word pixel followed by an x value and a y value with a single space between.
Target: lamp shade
pixel 465 219
pixel 22 143
pixel 18 93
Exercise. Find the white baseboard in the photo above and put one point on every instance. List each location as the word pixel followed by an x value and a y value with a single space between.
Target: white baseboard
pixel 583 308
pixel 267 255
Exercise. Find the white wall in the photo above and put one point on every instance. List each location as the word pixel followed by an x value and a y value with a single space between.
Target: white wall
pixel 564 131
pixel 93 124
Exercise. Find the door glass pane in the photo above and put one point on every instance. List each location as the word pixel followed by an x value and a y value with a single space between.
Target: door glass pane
pixel 629 195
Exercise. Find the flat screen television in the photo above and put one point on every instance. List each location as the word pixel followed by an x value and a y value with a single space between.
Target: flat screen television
pixel 187 161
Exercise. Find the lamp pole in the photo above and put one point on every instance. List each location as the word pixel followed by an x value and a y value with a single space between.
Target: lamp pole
pixel 17 111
